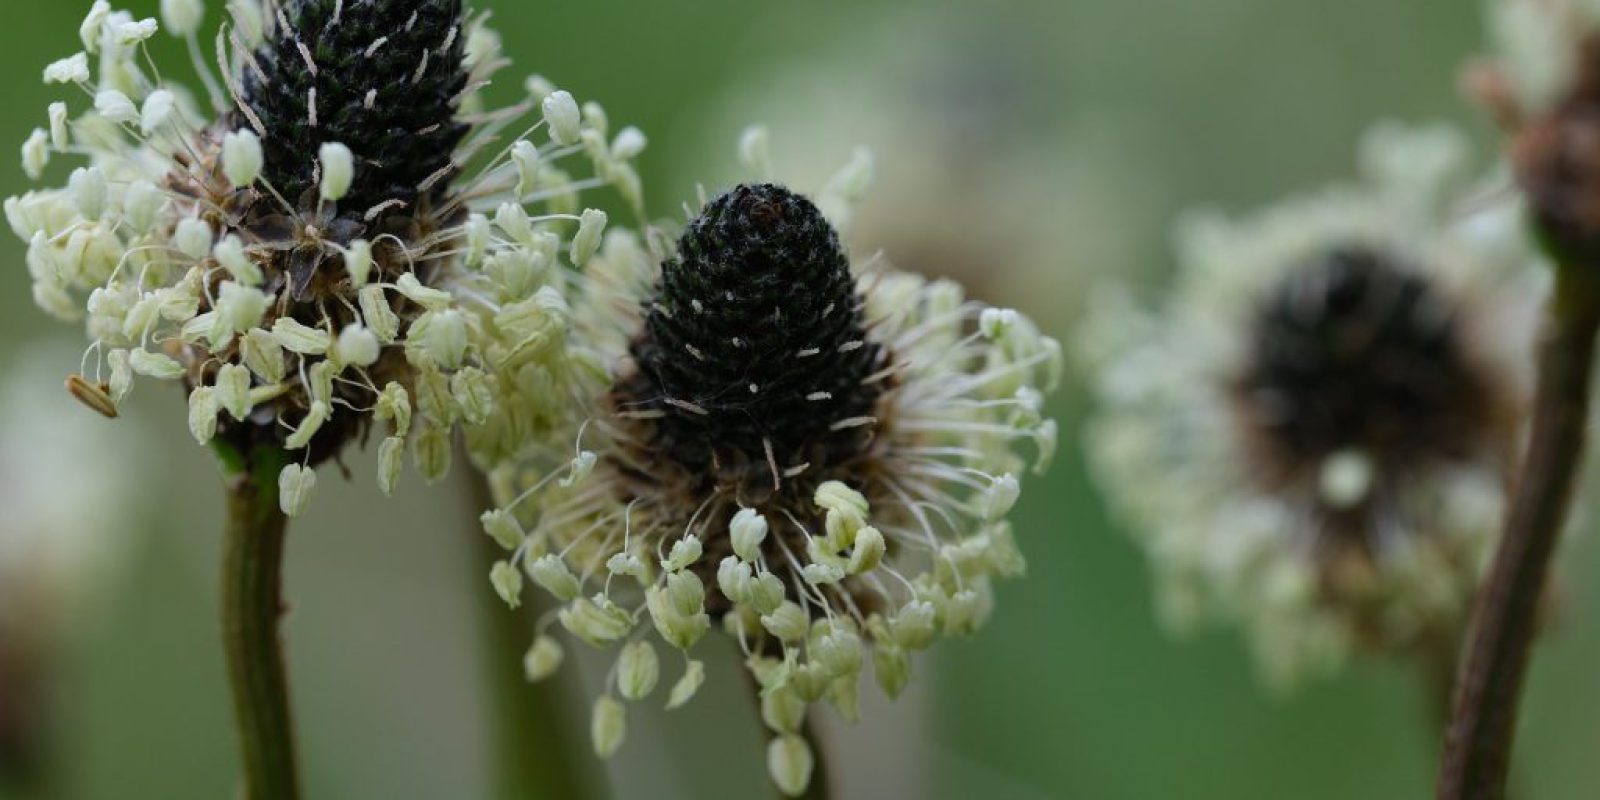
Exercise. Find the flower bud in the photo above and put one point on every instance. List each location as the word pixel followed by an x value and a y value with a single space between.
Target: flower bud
pixel 358 262
pixel 36 154
pixel 913 627
pixel 241 308
pixel 298 338
pixel 427 297
pixel 507 582
pixel 733 578
pixel 478 235
pixel 338 170
pixel 788 622
pixel 155 365
pixel 121 375
pixel 685 551
pixel 233 390
pixel 684 690
pixel 72 69
pixel 503 528
pixel 542 659
pixel 766 593
pixel 142 202
pixel 203 414
pixel 115 106
pixel 562 115
pixel 782 709
pixel 432 454
pixel 394 403
pixel 630 142
pixel 591 228
pixel 625 563
pixel 295 487
pixel 839 651
pixel 678 611
pixel 473 390
pixel 638 669
pixel 748 529
pixel 231 255
pixel 552 575
pixel 134 32
pixel 89 31
pixel 182 17
pixel 156 111
pixel 375 311
pixel 242 158
pixel 996 323
pixel 755 150
pixel 1000 497
pixel 309 425
pixel 891 667
pixel 263 355
pixel 607 725
pixel 868 553
pixel 789 761
pixel 391 457
pixel 526 159
pixel 513 220
pixel 90 190
pixel 597 621
pixel 358 346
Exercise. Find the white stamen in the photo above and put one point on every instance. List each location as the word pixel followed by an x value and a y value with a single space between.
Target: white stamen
pixel 853 422
pixel 687 406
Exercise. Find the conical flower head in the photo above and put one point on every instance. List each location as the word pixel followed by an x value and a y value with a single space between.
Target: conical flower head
pixel 315 256
pixel 1356 351
pixel 1314 435
pixel 753 349
pixel 383 78
pixel 819 461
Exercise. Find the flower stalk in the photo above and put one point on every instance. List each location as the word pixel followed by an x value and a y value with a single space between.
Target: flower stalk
pixel 252 603
pixel 1479 740
pixel 534 752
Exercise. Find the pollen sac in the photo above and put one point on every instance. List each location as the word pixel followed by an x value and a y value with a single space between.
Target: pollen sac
pixel 382 77
pixel 1356 352
pixel 753 353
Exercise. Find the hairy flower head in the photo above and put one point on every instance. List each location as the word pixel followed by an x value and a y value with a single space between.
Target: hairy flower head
pixel 816 461
pixel 344 239
pixel 1315 435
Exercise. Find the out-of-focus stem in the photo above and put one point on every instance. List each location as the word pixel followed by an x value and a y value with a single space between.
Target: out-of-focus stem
pixel 538 746
pixel 1478 744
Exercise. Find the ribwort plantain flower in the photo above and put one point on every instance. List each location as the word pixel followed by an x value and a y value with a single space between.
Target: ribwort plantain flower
pixel 348 237
pixel 1315 436
pixel 1543 83
pixel 816 461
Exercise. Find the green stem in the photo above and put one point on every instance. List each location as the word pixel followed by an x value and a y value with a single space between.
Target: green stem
pixel 1478 744
pixel 535 754
pixel 252 572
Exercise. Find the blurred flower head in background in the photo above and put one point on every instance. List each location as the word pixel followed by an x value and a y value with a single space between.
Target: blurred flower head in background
pixel 1543 84
pixel 820 461
pixel 314 255
pixel 1314 435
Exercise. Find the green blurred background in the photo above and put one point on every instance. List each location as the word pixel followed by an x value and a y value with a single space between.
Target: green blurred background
pixel 1123 112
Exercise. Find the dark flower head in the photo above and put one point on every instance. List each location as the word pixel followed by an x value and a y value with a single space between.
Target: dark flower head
pixel 317 257
pixel 819 461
